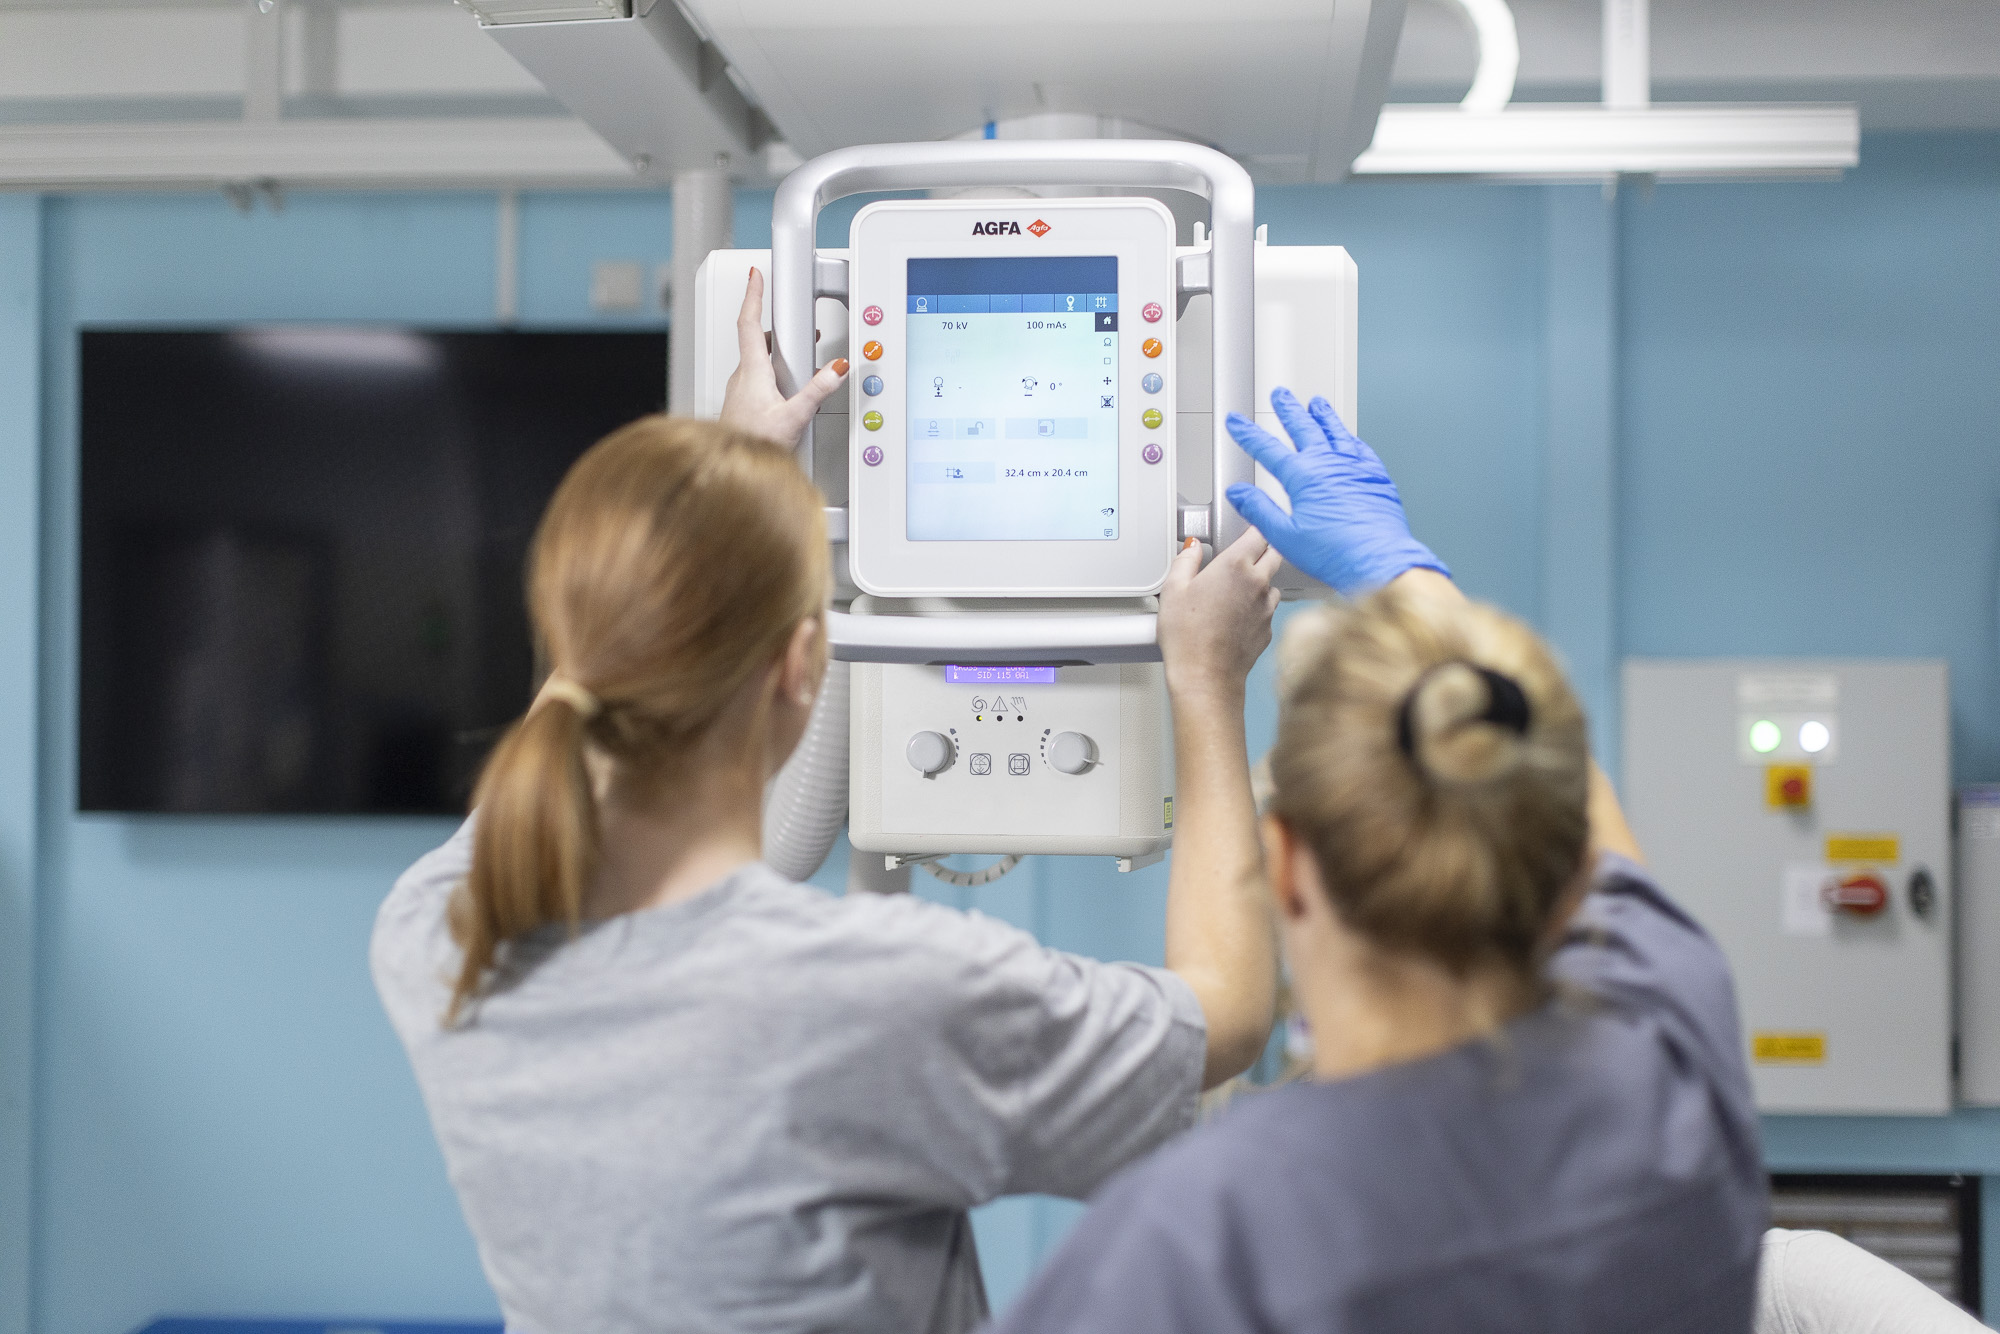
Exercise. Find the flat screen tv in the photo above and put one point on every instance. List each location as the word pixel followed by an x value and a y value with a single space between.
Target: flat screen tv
pixel 303 550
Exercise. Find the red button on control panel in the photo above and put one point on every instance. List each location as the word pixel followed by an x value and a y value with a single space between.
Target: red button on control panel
pixel 1152 312
pixel 872 315
pixel 1863 894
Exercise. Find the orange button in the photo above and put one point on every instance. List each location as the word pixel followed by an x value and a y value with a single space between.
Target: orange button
pixel 1152 347
pixel 872 351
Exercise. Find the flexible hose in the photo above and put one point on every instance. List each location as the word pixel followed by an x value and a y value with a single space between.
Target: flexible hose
pixel 985 875
pixel 806 804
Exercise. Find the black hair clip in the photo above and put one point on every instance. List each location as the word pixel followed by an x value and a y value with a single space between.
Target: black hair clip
pixel 1506 704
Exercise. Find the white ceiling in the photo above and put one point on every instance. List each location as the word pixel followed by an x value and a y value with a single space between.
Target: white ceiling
pixel 1909 64
pixel 73 72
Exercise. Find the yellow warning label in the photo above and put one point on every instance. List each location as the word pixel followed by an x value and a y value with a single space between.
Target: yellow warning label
pixel 1863 848
pixel 1168 816
pixel 1788 1048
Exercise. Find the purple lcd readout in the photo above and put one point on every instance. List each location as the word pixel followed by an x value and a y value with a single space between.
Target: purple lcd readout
pixel 1000 676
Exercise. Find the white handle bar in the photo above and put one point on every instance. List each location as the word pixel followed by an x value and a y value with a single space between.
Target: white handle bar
pixel 1046 640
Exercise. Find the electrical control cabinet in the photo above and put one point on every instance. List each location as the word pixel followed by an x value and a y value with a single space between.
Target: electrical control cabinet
pixel 1800 809
pixel 1979 944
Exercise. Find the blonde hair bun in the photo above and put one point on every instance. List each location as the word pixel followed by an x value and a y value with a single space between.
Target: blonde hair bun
pixel 1435 761
pixel 1463 723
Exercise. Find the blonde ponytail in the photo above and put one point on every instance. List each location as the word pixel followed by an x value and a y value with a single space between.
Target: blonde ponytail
pixel 673 565
pixel 1436 762
pixel 535 846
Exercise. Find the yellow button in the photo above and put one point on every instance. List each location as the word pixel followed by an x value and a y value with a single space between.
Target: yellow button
pixel 871 421
pixel 1152 347
pixel 872 350
pixel 1151 416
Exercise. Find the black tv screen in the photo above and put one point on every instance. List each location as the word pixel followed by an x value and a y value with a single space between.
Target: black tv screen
pixel 303 551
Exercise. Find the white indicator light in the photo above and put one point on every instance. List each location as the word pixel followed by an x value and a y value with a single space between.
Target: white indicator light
pixel 1765 736
pixel 1813 737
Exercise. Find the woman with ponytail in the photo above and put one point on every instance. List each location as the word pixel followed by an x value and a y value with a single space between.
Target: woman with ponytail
pixel 676 1091
pixel 1527 1107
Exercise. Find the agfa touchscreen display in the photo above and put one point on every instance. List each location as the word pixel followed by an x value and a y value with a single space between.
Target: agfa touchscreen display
pixel 1013 422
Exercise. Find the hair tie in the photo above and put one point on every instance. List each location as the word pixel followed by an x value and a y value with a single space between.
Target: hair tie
pixel 587 705
pixel 1506 703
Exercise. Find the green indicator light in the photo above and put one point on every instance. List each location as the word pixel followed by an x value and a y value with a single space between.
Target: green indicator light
pixel 1764 736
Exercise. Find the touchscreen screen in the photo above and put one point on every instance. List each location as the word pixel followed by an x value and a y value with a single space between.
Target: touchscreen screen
pixel 1013 365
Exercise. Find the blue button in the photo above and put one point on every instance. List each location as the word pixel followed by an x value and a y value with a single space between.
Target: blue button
pixel 1152 384
pixel 873 384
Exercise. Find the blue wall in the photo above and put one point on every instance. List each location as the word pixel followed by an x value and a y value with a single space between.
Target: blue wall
pixel 1789 390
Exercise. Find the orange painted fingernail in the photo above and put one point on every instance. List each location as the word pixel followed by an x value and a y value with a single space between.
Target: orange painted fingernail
pixel 1186 543
pixel 839 365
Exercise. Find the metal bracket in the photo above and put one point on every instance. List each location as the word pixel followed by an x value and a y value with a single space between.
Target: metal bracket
pixel 1191 276
pixel 1194 522
pixel 829 278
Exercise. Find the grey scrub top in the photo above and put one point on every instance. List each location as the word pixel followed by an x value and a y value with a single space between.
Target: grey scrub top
pixel 767 1107
pixel 1593 1168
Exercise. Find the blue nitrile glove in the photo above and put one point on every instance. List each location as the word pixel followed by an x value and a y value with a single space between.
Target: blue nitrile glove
pixel 1346 527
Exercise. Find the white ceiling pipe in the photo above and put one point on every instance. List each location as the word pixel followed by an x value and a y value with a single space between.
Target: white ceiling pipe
pixel 1628 75
pixel 1499 54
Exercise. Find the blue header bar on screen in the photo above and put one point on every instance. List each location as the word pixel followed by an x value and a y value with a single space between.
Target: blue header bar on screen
pixel 983 277
pixel 986 303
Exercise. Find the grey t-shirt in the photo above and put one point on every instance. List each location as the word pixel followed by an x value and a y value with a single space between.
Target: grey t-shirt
pixel 1594 1168
pixel 769 1108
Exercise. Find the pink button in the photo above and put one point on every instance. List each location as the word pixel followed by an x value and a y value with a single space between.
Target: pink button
pixel 872 315
pixel 1152 453
pixel 873 455
pixel 1152 312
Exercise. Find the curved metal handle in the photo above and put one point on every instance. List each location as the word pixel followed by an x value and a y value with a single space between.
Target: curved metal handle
pixel 1044 640
pixel 1129 162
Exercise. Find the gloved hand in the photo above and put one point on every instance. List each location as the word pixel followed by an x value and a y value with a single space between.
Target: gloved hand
pixel 1346 527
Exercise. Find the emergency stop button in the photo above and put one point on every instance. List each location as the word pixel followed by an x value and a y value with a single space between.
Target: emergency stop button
pixel 1788 786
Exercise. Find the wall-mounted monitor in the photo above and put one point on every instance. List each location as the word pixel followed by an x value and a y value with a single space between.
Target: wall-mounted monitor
pixel 303 551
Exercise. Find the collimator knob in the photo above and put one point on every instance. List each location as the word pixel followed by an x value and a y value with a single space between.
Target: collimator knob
pixel 928 753
pixel 1072 753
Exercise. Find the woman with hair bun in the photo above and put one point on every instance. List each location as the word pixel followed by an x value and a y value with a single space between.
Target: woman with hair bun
pixel 1527 1107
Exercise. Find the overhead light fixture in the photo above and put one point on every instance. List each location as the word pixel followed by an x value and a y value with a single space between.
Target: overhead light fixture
pixel 499 12
pixel 1571 142
pixel 1486 135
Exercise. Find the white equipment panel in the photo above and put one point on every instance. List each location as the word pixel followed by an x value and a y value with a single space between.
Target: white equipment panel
pixel 1979 944
pixel 1308 321
pixel 1800 811
pixel 1011 410
pixel 1011 760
